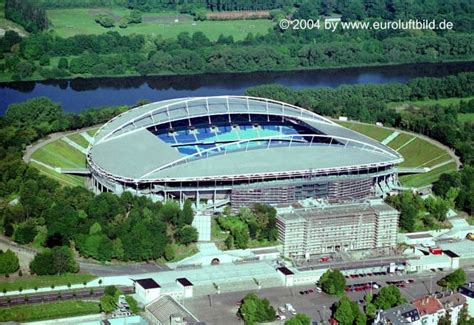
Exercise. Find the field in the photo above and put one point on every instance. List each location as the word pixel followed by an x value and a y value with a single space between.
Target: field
pixel 45 281
pixel 417 152
pixel 54 310
pixel 69 22
pixel 466 117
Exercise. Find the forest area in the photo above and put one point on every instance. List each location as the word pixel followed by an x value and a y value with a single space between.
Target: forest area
pixel 46 55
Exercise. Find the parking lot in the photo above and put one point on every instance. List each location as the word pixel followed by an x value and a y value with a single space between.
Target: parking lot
pixel 222 308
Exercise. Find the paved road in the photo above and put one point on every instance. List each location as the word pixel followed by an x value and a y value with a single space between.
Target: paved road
pixel 26 254
pixel 120 269
pixel 222 308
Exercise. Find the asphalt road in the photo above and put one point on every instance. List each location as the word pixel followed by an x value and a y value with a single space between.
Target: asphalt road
pixel 222 308
pixel 121 269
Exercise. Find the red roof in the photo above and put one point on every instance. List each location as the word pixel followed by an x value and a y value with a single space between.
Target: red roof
pixel 427 305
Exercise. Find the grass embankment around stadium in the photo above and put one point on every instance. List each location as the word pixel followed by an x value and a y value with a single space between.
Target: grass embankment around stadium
pixel 37 312
pixel 417 152
pixel 44 281
pixel 168 24
pixel 60 154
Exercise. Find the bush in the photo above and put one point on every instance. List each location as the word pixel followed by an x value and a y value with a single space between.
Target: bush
pixel 186 235
pixel 8 262
pixel 105 20
pixel 57 260
pixel 25 232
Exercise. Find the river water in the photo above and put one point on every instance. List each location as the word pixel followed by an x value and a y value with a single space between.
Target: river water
pixel 78 94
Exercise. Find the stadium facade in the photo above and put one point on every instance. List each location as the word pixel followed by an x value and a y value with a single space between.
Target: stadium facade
pixel 238 149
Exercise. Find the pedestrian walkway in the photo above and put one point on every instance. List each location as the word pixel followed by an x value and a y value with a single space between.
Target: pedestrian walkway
pixel 203 225
pixel 390 138
pixel 74 145
pixel 86 136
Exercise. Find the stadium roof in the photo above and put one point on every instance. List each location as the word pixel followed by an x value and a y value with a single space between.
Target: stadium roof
pixel 124 148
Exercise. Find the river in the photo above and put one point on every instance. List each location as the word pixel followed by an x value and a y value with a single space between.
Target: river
pixel 78 94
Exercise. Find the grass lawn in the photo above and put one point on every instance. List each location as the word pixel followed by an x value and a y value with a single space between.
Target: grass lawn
pixel 53 310
pixel 64 179
pixel 466 117
pixel 79 139
pixel 400 140
pixel 60 154
pixel 69 22
pixel 30 282
pixel 419 152
pixel 92 132
pixel 427 178
pixel 428 102
pixel 375 132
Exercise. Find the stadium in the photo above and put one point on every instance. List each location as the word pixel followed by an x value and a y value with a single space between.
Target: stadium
pixel 237 149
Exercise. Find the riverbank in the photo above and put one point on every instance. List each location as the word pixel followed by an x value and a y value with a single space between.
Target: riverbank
pixel 36 77
pixel 79 94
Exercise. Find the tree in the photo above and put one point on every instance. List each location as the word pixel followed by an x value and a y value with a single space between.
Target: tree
pixel 255 310
pixel 229 242
pixel 107 303
pixel 388 297
pixel 110 290
pixel 57 260
pixel 453 280
pixel 63 64
pixel 170 252
pixel 186 215
pixel 9 262
pixel 299 319
pixel 333 282
pixel 133 304
pixel 463 318
pixel 25 232
pixel 343 313
pixel 241 238
pixel 445 319
pixel 186 235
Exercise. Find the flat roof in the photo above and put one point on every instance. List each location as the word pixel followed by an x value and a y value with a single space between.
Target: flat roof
pixel 336 210
pixel 419 236
pixel 285 270
pixel 148 283
pixel 185 282
pixel 450 253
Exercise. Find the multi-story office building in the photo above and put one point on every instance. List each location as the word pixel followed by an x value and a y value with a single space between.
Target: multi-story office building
pixel 342 227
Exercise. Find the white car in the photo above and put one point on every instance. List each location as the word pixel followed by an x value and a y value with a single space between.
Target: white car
pixel 291 309
pixel 281 317
pixel 282 309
